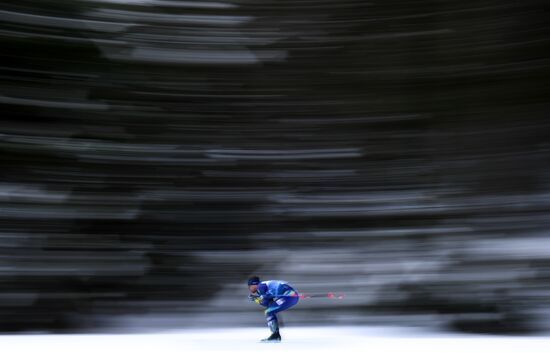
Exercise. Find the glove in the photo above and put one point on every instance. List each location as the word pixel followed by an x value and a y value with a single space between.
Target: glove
pixel 253 298
pixel 258 299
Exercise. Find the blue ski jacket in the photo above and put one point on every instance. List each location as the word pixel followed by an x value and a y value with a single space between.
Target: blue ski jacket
pixel 272 290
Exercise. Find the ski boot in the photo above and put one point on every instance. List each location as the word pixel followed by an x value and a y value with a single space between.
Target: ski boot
pixel 275 337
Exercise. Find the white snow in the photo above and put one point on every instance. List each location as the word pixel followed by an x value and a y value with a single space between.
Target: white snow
pixel 295 340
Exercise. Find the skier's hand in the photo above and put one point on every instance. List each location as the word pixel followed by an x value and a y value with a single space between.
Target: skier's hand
pixel 258 299
pixel 253 297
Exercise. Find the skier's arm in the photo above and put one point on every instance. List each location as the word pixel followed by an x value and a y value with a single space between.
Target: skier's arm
pixel 261 296
pixel 260 299
pixel 264 296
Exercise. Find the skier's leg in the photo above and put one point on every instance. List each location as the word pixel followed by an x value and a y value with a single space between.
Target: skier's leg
pixel 276 307
pixel 273 325
pixel 272 322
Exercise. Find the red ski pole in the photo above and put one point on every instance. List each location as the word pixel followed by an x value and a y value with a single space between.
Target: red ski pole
pixel 329 295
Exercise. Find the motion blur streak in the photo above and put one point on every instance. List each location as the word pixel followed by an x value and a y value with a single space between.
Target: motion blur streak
pixel 155 153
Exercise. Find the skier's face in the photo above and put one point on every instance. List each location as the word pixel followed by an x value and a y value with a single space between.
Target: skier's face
pixel 253 288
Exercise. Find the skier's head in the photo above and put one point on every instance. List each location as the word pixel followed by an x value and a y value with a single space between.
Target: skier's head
pixel 253 283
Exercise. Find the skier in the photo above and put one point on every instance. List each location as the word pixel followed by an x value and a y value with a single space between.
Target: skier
pixel 276 296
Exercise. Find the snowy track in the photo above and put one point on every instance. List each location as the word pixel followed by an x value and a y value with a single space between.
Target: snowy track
pixel 296 340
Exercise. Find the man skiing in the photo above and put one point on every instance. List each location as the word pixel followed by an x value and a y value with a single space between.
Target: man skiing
pixel 276 296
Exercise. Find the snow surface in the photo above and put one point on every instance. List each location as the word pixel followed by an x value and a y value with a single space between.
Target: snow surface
pixel 295 339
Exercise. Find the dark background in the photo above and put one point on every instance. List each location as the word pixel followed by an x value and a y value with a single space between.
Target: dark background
pixel 154 154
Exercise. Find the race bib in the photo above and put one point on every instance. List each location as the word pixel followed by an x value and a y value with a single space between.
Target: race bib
pixel 280 301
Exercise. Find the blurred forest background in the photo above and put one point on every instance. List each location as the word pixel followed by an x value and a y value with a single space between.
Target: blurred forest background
pixel 155 153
